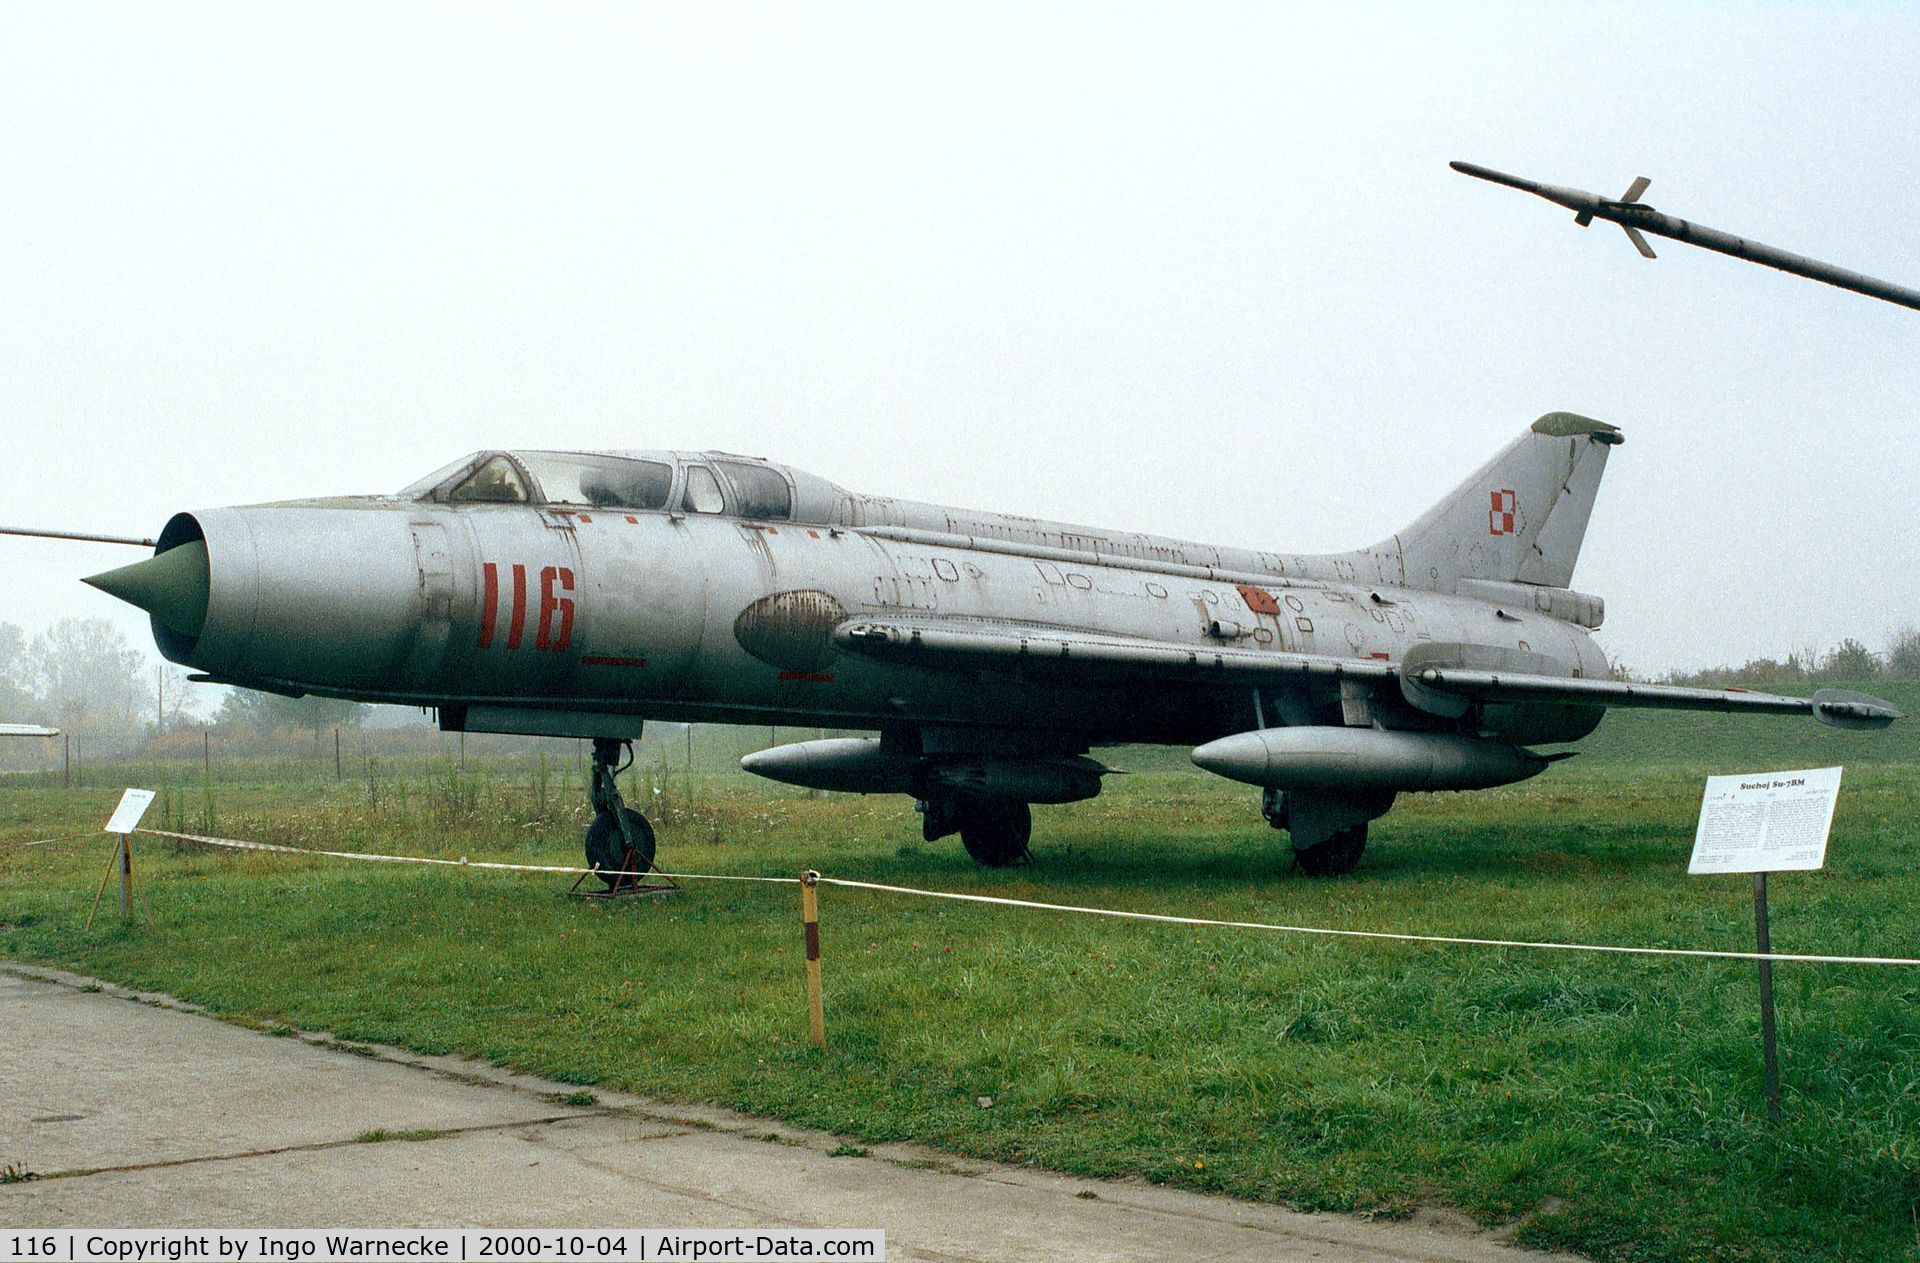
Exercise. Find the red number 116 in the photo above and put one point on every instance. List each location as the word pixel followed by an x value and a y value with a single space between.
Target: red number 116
pixel 553 628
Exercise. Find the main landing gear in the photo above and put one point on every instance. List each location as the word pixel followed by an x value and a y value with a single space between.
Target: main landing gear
pixel 1336 856
pixel 1329 830
pixel 995 831
pixel 619 842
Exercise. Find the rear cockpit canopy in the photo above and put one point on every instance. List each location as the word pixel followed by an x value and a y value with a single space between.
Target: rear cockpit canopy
pixel 710 482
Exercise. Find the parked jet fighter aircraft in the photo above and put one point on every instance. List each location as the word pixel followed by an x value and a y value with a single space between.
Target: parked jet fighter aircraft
pixel 578 594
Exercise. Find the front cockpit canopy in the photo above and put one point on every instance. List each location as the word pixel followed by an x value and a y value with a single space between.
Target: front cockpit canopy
pixel 594 480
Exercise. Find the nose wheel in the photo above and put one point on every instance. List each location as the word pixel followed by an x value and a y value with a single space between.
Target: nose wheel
pixel 619 842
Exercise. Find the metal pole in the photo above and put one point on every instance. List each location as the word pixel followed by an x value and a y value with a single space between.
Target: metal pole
pixel 66 760
pixel 337 773
pixel 126 878
pixel 810 916
pixel 1766 997
pixel 206 754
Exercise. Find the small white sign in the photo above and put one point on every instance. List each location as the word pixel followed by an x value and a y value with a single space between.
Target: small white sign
pixel 133 805
pixel 1768 822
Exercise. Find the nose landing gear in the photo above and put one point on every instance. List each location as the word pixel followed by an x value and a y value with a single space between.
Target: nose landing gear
pixel 619 842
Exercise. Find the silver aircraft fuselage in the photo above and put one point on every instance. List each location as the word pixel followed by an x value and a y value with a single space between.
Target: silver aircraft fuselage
pixel 709 618
pixel 579 594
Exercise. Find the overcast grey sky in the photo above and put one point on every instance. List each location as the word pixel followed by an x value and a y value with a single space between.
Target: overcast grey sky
pixel 1194 269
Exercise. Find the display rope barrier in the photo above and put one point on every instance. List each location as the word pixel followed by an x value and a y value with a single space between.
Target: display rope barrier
pixel 1075 909
pixel 65 837
pixel 236 844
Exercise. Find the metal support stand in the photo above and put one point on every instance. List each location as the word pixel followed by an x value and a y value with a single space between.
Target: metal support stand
pixel 626 887
pixel 1767 1049
pixel 121 859
pixel 629 884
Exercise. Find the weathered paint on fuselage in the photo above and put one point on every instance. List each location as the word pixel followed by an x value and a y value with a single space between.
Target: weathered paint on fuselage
pixel 641 613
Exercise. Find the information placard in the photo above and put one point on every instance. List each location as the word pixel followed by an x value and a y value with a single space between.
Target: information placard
pixel 1766 822
pixel 133 805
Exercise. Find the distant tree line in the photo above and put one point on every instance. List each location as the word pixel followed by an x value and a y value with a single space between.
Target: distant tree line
pixel 81 676
pixel 1848 660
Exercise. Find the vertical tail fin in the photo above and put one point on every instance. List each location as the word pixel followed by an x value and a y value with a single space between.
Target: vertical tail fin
pixel 1520 518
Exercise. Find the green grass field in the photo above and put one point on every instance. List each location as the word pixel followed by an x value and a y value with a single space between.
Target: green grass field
pixel 1602 1104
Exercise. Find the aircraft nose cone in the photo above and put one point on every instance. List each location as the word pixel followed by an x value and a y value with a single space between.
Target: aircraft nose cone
pixel 172 586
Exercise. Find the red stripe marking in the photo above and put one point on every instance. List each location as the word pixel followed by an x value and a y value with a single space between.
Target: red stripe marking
pixel 812 676
pixel 1384 657
pixel 553 581
pixel 565 637
pixel 632 520
pixel 518 625
pixel 585 518
pixel 489 602
pixel 600 660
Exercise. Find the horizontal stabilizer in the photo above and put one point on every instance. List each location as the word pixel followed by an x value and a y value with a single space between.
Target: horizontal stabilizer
pixel 1843 708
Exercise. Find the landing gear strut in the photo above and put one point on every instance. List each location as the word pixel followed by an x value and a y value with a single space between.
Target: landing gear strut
pixel 619 842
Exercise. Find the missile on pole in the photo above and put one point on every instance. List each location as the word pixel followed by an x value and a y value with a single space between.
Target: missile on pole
pixel 1637 219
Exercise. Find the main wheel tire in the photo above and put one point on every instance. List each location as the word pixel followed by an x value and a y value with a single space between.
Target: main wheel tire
pixel 1336 856
pixel 607 846
pixel 995 831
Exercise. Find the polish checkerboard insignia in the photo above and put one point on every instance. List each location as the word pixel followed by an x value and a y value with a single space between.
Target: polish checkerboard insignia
pixel 1500 515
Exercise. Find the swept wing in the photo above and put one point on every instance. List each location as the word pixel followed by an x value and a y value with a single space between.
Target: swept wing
pixel 1446 690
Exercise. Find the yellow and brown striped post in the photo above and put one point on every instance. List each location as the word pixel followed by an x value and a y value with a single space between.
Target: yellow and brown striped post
pixel 810 916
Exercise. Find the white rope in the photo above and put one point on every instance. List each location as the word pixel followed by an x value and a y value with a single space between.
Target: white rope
pixel 66 837
pixel 1372 934
pixel 239 845
pixel 1160 917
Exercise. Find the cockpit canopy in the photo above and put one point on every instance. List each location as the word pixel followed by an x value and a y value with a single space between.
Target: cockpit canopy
pixel 593 480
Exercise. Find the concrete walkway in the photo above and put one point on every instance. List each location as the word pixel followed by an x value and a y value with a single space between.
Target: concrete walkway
pixel 136 1111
